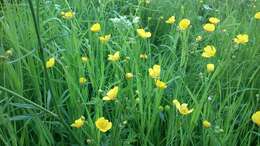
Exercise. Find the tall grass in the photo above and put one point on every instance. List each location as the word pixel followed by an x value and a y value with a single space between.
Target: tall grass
pixel 39 104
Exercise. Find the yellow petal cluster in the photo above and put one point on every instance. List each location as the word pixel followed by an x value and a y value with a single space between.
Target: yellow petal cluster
pixel 129 76
pixel 155 71
pixel 103 124
pixel 114 57
pixel 68 15
pixel 104 39
pixel 209 27
pixel 84 59
pixel 50 63
pixel 206 124
pixel 160 84
pixel 143 34
pixel 182 108
pixel 79 122
pixel 95 27
pixel 82 80
pixel 143 56
pixel 257 15
pixel 111 94
pixel 209 51
pixel 184 24
pixel 241 39
pixel 256 118
pixel 210 67
pixel 170 20
pixel 214 20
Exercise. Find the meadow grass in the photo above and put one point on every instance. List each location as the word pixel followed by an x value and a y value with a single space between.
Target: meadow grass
pixel 41 99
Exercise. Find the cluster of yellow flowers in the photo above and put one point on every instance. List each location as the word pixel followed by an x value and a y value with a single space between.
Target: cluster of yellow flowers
pixel 154 73
pixel 208 52
pixel 101 123
pixel 68 15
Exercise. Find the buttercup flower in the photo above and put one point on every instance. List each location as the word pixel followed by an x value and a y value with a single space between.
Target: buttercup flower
pixel 198 38
pixel 209 51
pixel 256 118
pixel 95 27
pixel 184 24
pixel 82 80
pixel 103 124
pixel 79 122
pixel 214 20
pixel 182 108
pixel 50 63
pixel 105 38
pixel 257 15
pixel 111 94
pixel 241 39
pixel 170 20
pixel 206 124
pixel 129 76
pixel 155 71
pixel 210 67
pixel 114 57
pixel 209 27
pixel 143 34
pixel 84 59
pixel 68 15
pixel 161 85
pixel 143 56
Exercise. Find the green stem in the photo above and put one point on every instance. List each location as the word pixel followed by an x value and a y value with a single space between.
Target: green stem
pixel 41 52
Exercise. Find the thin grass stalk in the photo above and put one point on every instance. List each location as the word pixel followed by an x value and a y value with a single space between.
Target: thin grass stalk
pixel 45 75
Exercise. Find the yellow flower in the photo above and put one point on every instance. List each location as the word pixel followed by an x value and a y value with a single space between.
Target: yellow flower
pixel 155 71
pixel 103 124
pixel 210 67
pixel 68 15
pixel 170 20
pixel 95 27
pixel 143 56
pixel 257 15
pixel 214 20
pixel 241 39
pixel 256 118
pixel 209 51
pixel 84 59
pixel 184 24
pixel 105 38
pixel 209 27
pixel 79 122
pixel 161 85
pixel 206 124
pixel 143 34
pixel 82 80
pixel 114 57
pixel 111 94
pixel 50 63
pixel 182 108
pixel 198 38
pixel 129 76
